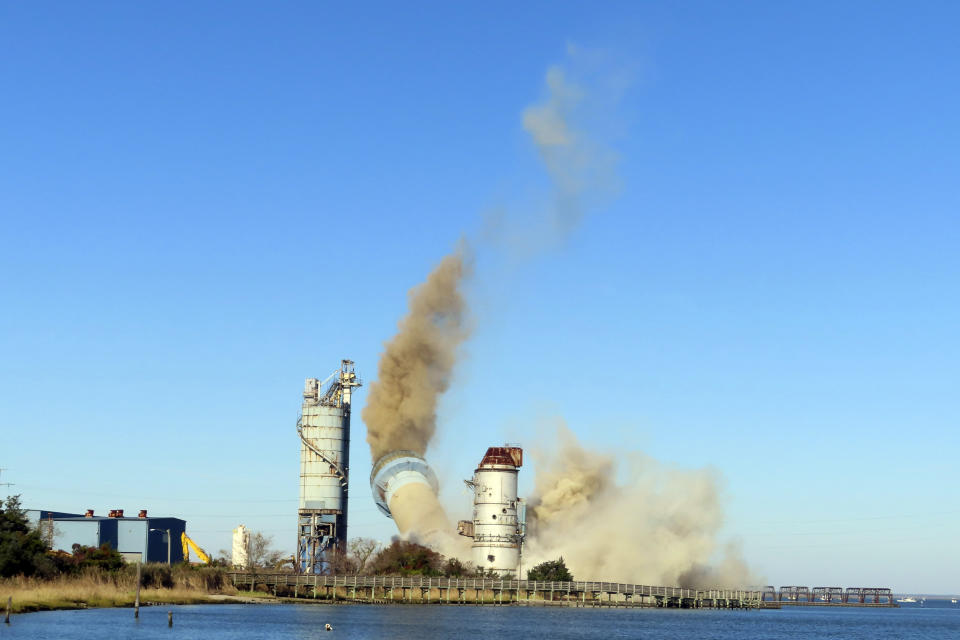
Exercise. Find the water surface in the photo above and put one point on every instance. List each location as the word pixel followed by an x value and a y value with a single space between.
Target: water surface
pixel 436 622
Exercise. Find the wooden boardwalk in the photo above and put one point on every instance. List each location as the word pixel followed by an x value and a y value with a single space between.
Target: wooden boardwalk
pixel 477 591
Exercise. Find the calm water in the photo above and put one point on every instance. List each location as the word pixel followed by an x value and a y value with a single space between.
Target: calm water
pixel 239 622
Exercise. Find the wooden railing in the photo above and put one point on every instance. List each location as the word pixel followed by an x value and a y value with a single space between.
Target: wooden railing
pixel 486 584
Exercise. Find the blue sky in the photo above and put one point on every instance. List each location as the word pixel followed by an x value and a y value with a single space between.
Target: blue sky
pixel 204 203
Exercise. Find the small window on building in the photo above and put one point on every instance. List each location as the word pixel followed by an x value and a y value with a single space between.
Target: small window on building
pixel 490 559
pixel 494 516
pixel 504 510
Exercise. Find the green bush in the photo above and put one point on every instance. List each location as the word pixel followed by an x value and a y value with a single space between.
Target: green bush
pixel 404 558
pixel 551 571
pixel 103 558
pixel 454 568
pixel 22 549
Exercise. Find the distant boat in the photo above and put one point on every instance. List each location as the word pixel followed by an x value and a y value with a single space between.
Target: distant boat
pixel 907 599
pixel 953 600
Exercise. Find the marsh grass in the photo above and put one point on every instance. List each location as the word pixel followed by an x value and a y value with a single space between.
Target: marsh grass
pixel 255 594
pixel 160 584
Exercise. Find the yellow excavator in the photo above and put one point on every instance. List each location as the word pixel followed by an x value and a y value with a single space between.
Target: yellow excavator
pixel 188 544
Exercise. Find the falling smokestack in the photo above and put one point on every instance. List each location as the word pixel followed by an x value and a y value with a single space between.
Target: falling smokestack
pixel 401 411
pixel 417 364
pixel 405 489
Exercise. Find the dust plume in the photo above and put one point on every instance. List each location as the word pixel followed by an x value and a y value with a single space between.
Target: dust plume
pixel 658 526
pixel 417 363
pixel 420 517
pixel 581 168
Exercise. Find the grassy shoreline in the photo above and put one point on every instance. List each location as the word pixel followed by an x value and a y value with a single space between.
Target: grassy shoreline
pixel 97 590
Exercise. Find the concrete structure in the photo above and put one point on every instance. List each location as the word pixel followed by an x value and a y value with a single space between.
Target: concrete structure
pixel 240 553
pixel 498 523
pixel 324 430
pixel 395 471
pixel 137 539
pixel 405 489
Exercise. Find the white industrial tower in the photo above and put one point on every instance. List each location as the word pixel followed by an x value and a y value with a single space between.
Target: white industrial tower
pixel 498 526
pixel 240 552
pixel 324 429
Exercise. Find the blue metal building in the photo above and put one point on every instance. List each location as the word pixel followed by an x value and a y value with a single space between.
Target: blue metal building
pixel 137 539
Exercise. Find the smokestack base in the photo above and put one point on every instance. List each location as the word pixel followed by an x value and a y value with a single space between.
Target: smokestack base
pixel 397 469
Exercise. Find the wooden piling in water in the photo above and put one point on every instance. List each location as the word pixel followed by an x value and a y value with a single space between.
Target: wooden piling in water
pixel 169 618
pixel 6 619
pixel 136 602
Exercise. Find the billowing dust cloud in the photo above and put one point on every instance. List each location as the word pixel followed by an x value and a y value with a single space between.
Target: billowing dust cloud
pixel 417 364
pixel 658 526
pixel 419 516
pixel 415 368
pixel 559 145
pixel 580 167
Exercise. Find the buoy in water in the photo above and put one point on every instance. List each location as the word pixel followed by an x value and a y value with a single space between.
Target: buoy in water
pixel 328 627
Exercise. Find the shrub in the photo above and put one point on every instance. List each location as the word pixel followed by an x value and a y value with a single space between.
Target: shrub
pixel 551 571
pixel 406 558
pixel 102 558
pixel 22 549
pixel 454 568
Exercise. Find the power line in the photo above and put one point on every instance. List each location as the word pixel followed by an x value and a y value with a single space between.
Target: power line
pixel 142 497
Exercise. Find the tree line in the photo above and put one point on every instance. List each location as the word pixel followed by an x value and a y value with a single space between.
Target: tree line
pixel 366 557
pixel 24 550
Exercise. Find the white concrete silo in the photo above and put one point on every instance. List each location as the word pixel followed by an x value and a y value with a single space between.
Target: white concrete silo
pixel 324 429
pixel 497 528
pixel 240 551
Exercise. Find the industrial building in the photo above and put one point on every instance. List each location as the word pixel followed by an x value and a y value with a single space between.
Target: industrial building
pixel 499 516
pixel 137 539
pixel 324 430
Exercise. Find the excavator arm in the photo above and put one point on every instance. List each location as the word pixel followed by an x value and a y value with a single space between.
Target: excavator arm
pixel 188 544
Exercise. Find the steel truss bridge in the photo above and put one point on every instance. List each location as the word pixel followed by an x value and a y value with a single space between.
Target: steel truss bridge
pixel 823 596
